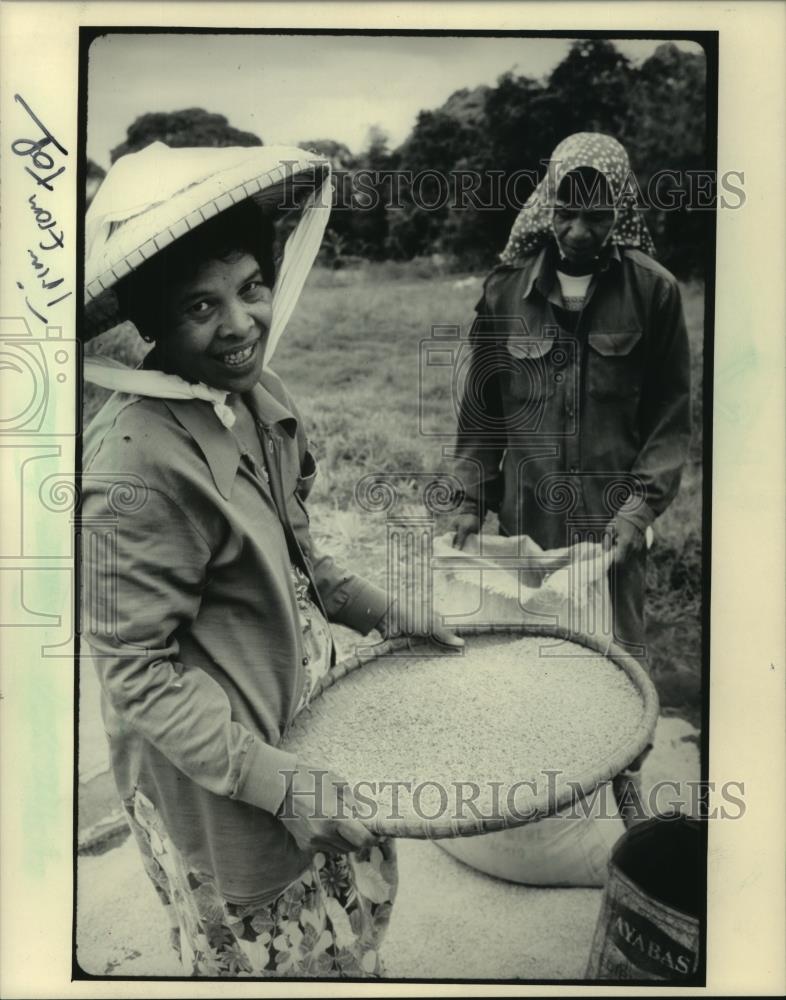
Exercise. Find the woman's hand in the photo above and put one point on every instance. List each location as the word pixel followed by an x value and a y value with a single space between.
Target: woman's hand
pixel 318 810
pixel 397 622
pixel 462 526
pixel 624 538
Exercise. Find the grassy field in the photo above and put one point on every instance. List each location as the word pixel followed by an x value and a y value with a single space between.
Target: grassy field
pixel 351 357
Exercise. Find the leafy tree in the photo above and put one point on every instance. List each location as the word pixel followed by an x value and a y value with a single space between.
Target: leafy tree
pixel 665 129
pixel 656 110
pixel 428 158
pixel 590 88
pixel 358 223
pixel 522 124
pixel 497 134
pixel 370 228
pixel 339 155
pixel 191 127
pixel 665 117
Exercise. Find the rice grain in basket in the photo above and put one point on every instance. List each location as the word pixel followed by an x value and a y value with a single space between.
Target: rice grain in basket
pixel 407 731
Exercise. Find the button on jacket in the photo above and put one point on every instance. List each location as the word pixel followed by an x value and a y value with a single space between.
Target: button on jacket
pixel 561 426
pixel 190 614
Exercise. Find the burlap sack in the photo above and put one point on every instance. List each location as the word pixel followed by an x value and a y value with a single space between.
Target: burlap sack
pixel 506 581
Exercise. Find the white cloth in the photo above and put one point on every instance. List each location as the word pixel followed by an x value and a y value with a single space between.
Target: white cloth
pixel 496 580
pixel 574 289
pixel 111 374
pixel 299 255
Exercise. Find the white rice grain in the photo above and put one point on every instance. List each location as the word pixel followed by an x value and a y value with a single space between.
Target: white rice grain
pixel 509 709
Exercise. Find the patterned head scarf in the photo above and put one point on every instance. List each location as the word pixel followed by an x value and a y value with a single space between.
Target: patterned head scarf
pixel 533 227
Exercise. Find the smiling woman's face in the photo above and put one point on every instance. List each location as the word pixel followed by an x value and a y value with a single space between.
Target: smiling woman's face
pixel 216 324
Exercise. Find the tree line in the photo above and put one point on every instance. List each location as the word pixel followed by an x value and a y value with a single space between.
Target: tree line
pixel 454 186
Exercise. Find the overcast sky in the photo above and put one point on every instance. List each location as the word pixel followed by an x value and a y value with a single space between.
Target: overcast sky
pixel 289 89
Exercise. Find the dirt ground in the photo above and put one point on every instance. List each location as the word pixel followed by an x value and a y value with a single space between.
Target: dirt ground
pixel 449 921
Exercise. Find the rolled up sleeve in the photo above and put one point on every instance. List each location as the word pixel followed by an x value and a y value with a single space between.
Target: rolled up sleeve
pixel 349 599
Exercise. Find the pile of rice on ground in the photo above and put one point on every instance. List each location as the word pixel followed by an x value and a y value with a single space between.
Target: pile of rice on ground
pixel 508 709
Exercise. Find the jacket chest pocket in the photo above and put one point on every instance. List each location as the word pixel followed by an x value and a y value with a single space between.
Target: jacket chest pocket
pixel 614 363
pixel 306 477
pixel 532 373
pixel 304 484
pixel 538 369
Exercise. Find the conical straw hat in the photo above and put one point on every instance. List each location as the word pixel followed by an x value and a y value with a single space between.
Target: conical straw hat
pixel 151 198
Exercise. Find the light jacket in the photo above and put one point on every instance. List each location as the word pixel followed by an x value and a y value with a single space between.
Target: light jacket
pixel 189 612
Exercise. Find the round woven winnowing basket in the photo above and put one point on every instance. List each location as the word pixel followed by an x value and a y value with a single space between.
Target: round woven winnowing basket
pixel 420 719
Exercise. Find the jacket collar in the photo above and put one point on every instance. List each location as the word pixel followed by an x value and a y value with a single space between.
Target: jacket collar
pixel 218 444
pixel 542 271
pixel 268 400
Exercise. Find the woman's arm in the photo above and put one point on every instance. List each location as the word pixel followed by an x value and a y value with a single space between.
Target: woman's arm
pixel 665 411
pixel 352 600
pixel 349 598
pixel 478 453
pixel 141 589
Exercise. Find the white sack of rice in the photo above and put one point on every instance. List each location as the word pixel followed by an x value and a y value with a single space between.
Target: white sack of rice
pixel 501 717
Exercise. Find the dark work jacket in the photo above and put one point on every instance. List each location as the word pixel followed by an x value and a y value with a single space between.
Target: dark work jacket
pixel 559 430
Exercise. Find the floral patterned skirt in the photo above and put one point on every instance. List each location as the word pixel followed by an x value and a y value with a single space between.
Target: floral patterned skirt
pixel 329 922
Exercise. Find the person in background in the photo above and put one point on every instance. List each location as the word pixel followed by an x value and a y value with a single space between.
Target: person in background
pixel 576 417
